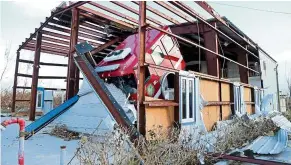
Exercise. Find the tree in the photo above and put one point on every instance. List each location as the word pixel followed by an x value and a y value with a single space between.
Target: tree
pixel 288 80
pixel 6 61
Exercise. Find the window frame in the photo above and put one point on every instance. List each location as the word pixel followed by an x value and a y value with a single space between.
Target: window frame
pixel 41 99
pixel 194 116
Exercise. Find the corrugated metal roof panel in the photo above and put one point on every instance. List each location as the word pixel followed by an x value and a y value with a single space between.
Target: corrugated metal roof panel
pixel 269 144
pixel 282 122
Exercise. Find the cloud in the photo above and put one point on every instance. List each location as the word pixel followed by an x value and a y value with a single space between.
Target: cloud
pixel 37 8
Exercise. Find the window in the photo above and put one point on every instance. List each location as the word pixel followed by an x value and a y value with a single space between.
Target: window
pixel 184 104
pixel 239 104
pixel 187 94
pixel 158 55
pixel 117 55
pixel 39 99
pixel 191 98
pixel 167 43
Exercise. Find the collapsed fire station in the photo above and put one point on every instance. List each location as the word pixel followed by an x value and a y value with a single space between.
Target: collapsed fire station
pixel 174 67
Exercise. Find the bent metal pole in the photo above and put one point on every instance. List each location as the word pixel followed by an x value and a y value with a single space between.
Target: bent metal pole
pixel 21 123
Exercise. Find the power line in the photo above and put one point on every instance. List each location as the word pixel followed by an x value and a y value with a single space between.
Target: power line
pixel 263 10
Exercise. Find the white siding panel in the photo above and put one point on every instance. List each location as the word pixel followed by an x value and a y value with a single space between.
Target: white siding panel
pixel 268 69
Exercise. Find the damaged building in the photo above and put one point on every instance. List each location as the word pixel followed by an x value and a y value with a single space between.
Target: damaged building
pixel 143 67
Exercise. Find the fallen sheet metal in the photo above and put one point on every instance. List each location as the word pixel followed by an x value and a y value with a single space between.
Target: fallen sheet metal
pixel 282 122
pixel 269 144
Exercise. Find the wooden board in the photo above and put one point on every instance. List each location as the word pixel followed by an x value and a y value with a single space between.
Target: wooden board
pixel 247 94
pixel 225 92
pixel 211 115
pixel 159 117
pixel 249 109
pixel 226 112
pixel 209 90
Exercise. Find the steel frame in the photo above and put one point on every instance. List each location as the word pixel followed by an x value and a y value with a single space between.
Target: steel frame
pixel 64 28
pixel 35 76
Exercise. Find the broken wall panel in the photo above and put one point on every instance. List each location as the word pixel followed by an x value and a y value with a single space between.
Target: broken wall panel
pixel 250 108
pixel 211 114
pixel 209 90
pixel 159 119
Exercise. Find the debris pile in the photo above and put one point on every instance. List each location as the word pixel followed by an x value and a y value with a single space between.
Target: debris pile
pixel 240 132
pixel 62 131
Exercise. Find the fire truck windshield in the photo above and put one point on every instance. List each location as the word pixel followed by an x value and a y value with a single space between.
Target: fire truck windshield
pixel 117 54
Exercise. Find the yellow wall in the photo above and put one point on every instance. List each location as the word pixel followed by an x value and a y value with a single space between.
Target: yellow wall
pixel 211 115
pixel 248 98
pixel 159 116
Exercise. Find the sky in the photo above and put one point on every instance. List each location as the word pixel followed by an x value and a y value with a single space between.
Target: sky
pixel 270 30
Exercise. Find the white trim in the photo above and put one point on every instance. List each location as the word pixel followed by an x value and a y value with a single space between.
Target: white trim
pixel 187 119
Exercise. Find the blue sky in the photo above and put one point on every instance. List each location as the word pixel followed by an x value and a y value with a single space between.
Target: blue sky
pixel 271 31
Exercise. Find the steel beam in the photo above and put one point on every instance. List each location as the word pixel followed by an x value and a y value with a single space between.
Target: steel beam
pixel 155 11
pixel 43 63
pixel 177 99
pixel 53 89
pixel 137 12
pixel 242 57
pixel 49 45
pixel 57 35
pixel 174 11
pixel 15 81
pixel 141 120
pixel 35 76
pixel 215 14
pixel 82 30
pixel 73 72
pixel 161 103
pixel 50 18
pixel 104 46
pixel 192 43
pixel 189 28
pixel 119 23
pixel 246 159
pixel 192 13
pixel 211 43
pixel 55 40
pixel 91 34
pixel 114 12
pixel 43 50
pixel 101 90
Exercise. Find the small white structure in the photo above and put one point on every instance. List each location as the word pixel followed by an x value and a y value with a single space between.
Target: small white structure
pixel 44 100
pixel 283 103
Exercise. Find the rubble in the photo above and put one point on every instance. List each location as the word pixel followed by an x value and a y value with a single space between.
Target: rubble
pixel 62 131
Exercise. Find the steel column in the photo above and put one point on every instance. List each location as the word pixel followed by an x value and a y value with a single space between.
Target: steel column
pixel 15 81
pixel 35 76
pixel 177 99
pixel 211 43
pixel 242 58
pixel 141 69
pixel 73 71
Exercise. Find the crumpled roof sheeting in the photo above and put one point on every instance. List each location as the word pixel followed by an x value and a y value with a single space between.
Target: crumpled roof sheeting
pixel 270 144
pixel 282 122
